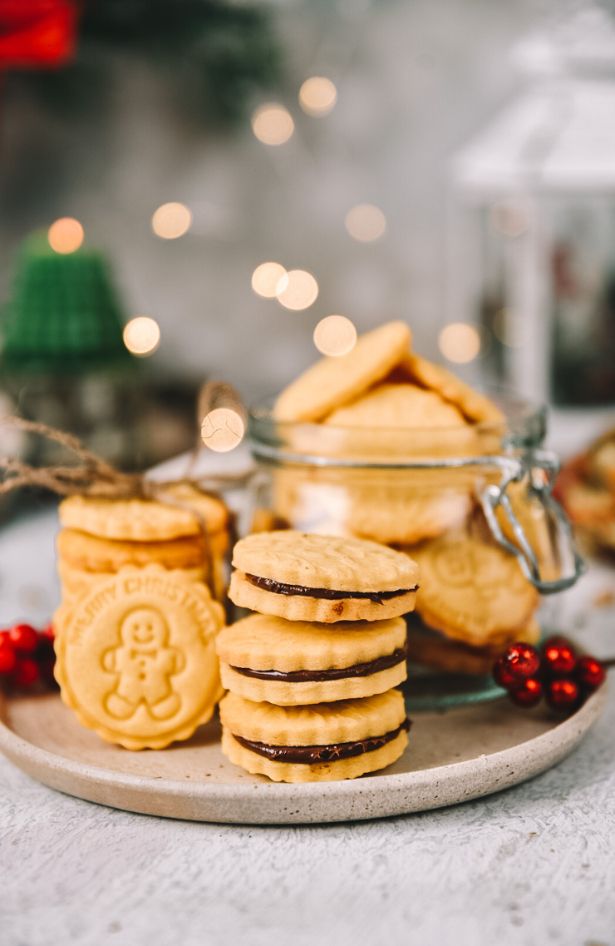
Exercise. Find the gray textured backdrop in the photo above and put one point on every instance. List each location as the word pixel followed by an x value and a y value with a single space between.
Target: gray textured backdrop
pixel 415 79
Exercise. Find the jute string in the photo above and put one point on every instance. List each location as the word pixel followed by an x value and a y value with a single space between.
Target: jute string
pixel 92 476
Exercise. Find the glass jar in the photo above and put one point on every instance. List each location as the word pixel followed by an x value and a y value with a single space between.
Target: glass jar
pixel 471 504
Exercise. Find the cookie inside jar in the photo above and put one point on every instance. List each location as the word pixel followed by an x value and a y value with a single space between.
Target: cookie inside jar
pixel 407 461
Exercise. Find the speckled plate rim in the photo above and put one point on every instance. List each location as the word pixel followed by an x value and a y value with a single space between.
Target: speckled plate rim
pixel 272 803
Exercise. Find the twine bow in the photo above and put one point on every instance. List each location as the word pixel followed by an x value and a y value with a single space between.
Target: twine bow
pixel 93 476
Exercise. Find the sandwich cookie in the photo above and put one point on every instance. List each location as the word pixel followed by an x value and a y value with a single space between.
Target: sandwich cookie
pixel 305 577
pixel 318 743
pixel 293 663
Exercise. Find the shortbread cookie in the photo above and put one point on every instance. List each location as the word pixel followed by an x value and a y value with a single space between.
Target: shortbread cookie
pixel 432 649
pixel 397 406
pixel 293 663
pixel 332 382
pixel 76 582
pixel 588 505
pixel 404 517
pixel 391 506
pixel 600 461
pixel 401 420
pixel 136 657
pixel 474 405
pixel 472 589
pixel 322 578
pixel 91 554
pixel 324 742
pixel 189 511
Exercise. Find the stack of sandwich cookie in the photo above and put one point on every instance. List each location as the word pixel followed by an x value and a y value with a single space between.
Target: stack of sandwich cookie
pixel 312 677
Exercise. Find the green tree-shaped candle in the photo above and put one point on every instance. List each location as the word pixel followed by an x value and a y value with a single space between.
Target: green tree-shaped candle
pixel 63 316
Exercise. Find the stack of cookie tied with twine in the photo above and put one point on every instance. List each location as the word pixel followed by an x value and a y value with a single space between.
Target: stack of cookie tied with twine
pixel 188 532
pixel 382 403
pixel 313 674
pixel 135 631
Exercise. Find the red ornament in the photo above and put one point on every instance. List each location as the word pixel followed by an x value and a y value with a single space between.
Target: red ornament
pixel 528 693
pixel 26 673
pixel 563 695
pixel 37 33
pixel 8 658
pixel 518 662
pixel 590 673
pixel 559 657
pixel 24 638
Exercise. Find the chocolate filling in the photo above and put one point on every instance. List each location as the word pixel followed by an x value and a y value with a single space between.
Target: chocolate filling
pixel 281 588
pixel 335 673
pixel 311 755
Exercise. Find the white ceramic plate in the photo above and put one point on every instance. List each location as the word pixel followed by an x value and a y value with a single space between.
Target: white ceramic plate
pixel 452 757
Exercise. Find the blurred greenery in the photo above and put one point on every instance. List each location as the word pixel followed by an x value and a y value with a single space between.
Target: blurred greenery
pixel 216 55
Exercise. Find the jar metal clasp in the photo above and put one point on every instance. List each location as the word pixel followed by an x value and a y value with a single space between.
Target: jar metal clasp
pixel 540 467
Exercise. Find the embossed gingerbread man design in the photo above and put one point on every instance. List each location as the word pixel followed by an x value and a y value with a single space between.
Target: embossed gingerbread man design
pixel 144 663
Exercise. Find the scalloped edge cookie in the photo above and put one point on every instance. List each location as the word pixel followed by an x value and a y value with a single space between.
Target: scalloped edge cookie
pixel 323 772
pixel 305 693
pixel 145 520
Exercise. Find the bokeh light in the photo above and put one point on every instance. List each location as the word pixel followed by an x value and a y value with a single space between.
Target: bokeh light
pixel 365 223
pixel 335 335
pixel 317 96
pixel 508 329
pixel 142 335
pixel 272 124
pixel 171 220
pixel 297 290
pixel 222 429
pixel 268 279
pixel 65 235
pixel 459 342
pixel 509 219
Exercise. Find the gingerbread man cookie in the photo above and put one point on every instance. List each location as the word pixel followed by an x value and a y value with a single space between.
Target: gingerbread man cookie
pixel 144 664
pixel 136 657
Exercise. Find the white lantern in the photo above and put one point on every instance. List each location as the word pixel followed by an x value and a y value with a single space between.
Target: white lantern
pixel 532 221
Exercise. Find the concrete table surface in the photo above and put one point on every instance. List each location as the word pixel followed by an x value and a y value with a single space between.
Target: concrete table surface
pixel 533 865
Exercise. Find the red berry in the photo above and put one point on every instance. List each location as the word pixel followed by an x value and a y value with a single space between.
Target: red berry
pixel 502 674
pixel 563 695
pixel 46 669
pixel 47 633
pixel 23 638
pixel 26 673
pixel 528 693
pixel 559 657
pixel 518 662
pixel 8 658
pixel 590 673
